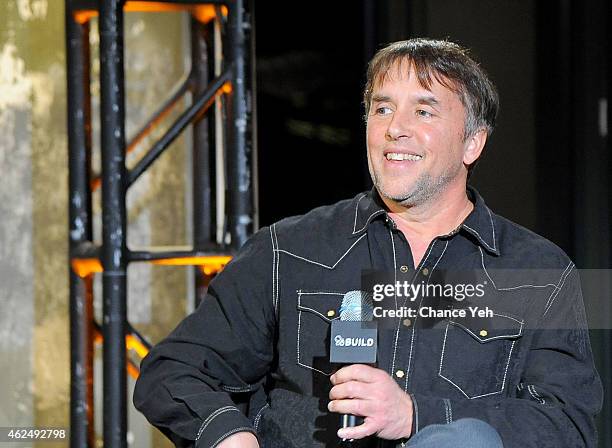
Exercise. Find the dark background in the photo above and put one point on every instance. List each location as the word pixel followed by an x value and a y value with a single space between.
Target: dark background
pixel 547 165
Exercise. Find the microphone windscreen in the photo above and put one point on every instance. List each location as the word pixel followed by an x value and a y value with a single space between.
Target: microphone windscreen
pixel 357 306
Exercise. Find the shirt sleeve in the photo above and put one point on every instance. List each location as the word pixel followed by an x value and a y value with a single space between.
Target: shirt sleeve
pixel 225 347
pixel 559 394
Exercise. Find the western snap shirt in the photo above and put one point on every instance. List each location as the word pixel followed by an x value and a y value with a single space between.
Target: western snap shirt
pixel 254 356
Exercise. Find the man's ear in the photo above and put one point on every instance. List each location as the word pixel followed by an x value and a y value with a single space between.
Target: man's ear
pixel 474 146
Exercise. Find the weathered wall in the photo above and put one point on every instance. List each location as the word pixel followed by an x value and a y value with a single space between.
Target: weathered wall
pixel 34 342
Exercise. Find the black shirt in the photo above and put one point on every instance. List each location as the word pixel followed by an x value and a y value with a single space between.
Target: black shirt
pixel 261 335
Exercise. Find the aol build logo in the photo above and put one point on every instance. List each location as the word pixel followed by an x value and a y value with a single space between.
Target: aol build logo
pixel 339 341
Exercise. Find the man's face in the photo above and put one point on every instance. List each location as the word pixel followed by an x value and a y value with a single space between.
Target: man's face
pixel 415 138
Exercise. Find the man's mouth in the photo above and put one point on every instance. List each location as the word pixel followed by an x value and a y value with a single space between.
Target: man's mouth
pixel 402 156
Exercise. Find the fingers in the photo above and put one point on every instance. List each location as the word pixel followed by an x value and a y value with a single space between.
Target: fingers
pixel 356 372
pixel 353 407
pixel 367 428
pixel 350 389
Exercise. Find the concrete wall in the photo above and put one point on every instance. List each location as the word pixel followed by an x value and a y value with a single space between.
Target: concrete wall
pixel 34 337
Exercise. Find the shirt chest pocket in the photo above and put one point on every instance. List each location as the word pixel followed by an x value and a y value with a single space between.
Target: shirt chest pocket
pixel 316 310
pixel 476 355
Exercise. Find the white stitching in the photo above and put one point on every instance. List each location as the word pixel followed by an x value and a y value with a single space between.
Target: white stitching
pixel 552 299
pixel 460 389
pixel 416 414
pixel 447 410
pixel 395 298
pixel 229 433
pixel 431 246
pixel 377 212
pixel 420 303
pixel 356 209
pixel 321 264
pixel 493 227
pixel 394 265
pixel 274 255
pixel 534 394
pixel 556 288
pixel 273 263
pixel 212 416
pixel 511 287
pixel 246 388
pixel 299 329
pixel 258 416
pixel 277 269
pixel 481 239
pixel 335 293
pixel 298 341
pixel 304 308
pixel 493 338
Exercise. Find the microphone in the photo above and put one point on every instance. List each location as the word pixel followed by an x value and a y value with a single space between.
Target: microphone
pixel 354 337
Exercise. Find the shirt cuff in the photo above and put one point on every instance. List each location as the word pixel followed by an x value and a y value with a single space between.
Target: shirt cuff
pixel 430 411
pixel 221 424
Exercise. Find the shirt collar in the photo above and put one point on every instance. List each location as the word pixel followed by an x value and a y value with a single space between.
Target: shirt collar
pixel 479 223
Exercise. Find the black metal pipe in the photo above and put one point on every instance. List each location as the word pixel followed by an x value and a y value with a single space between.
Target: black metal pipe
pixel 201 161
pixel 169 252
pixel 80 230
pixel 199 105
pixel 239 182
pixel 252 112
pixel 164 109
pixel 114 218
pixel 203 168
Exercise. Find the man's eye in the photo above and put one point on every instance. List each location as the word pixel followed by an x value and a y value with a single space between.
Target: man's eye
pixel 423 113
pixel 382 110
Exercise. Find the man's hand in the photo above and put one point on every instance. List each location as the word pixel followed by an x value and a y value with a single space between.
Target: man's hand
pixel 241 439
pixel 371 393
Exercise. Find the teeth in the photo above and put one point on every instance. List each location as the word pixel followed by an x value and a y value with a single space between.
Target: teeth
pixel 399 156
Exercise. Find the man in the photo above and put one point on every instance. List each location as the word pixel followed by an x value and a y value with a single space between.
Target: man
pixel 522 377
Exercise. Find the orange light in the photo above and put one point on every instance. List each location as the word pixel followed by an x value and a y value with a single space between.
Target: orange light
pixel 132 370
pixel 86 266
pixel 84 15
pixel 206 13
pixel 202 13
pixel 227 87
pixel 208 264
pixel 133 343
pixel 98 338
pixel 194 261
pixel 131 6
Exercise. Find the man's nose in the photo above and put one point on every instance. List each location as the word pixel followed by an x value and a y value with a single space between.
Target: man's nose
pixel 401 125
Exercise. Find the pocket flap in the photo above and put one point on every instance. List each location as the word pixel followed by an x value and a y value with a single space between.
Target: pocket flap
pixel 324 304
pixel 499 326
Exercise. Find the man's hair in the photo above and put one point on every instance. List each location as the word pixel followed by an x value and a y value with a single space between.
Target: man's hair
pixel 450 65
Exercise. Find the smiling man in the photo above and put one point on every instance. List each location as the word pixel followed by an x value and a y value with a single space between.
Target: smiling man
pixel 521 377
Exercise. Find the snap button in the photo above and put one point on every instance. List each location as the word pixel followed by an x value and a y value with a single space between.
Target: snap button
pixel 483 333
pixel 331 313
pixel 425 271
pixel 399 374
pixel 404 268
pixel 407 322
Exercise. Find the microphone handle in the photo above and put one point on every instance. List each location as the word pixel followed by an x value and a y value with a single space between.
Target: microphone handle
pixel 349 421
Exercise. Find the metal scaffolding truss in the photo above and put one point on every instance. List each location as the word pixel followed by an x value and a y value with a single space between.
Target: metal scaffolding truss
pixel 224 181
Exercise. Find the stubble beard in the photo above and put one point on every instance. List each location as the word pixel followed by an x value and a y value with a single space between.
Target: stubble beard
pixel 425 189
